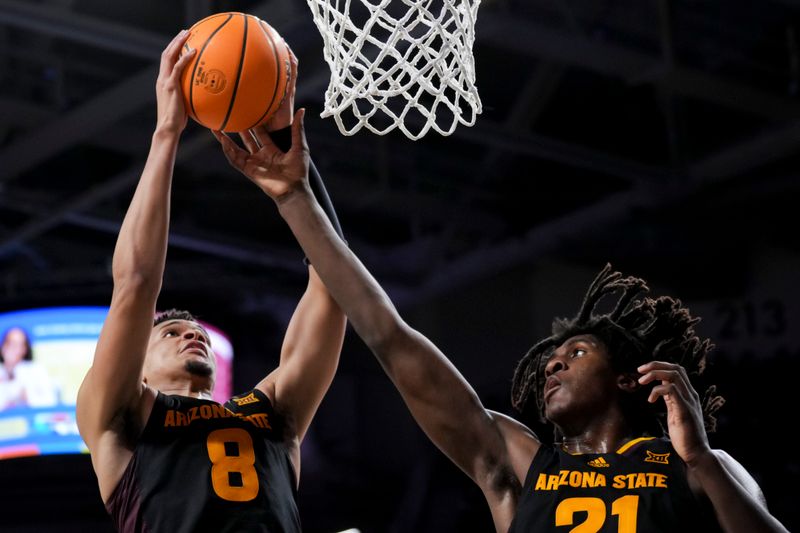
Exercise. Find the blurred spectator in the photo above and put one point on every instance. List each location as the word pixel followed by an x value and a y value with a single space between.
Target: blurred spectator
pixel 22 382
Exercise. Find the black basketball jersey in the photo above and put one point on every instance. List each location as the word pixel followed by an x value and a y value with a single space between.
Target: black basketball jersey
pixel 641 488
pixel 204 467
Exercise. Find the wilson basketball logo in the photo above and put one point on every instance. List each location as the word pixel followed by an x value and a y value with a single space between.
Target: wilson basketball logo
pixel 213 80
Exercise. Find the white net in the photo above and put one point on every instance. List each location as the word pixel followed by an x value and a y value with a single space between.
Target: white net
pixel 403 64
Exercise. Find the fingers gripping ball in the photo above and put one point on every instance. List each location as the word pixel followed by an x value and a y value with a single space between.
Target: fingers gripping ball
pixel 239 75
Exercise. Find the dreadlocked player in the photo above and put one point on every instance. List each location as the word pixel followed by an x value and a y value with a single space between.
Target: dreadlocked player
pixel 595 380
pixel 642 483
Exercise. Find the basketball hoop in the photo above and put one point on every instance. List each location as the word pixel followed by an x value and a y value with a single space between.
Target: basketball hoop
pixel 403 64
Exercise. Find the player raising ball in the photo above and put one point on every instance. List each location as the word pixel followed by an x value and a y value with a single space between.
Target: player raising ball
pixel 167 457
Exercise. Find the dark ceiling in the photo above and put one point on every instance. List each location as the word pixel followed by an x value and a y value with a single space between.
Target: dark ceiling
pixel 596 114
pixel 659 134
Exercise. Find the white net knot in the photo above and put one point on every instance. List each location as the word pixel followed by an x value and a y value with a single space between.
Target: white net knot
pixel 399 63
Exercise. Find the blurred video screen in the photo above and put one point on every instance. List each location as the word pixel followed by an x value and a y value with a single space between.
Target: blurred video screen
pixel 45 355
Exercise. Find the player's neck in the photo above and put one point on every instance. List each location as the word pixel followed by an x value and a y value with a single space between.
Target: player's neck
pixel 577 446
pixel 606 437
pixel 189 388
pixel 202 395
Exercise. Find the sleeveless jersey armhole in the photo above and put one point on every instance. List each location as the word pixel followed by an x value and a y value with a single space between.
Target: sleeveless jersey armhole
pixel 541 457
pixel 137 439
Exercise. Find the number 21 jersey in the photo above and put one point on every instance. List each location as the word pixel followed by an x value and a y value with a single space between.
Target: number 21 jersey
pixel 642 488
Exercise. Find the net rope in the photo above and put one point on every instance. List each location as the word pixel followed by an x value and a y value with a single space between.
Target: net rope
pixel 412 69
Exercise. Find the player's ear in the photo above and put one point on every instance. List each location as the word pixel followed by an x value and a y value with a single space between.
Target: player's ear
pixel 628 382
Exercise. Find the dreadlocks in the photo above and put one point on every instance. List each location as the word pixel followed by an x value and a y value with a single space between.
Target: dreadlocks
pixel 639 329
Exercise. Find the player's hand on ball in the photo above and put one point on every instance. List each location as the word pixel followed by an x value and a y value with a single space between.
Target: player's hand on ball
pixel 283 116
pixel 171 111
pixel 277 173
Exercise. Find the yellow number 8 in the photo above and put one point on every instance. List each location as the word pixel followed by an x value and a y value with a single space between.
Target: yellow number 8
pixel 223 465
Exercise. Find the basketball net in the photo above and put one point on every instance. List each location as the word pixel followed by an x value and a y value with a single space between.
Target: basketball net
pixel 403 64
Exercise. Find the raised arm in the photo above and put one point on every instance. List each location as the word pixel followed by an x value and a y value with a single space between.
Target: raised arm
pixel 440 399
pixel 112 388
pixel 309 357
pixel 313 339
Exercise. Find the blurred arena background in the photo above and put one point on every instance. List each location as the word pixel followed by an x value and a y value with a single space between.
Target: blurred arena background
pixel 659 135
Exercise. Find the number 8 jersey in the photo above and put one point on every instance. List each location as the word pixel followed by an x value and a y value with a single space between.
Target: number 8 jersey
pixel 201 466
pixel 642 487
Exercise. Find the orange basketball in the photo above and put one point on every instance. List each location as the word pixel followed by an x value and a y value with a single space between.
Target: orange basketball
pixel 239 75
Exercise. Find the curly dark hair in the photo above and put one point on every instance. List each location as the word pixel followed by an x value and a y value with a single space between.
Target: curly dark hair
pixel 639 329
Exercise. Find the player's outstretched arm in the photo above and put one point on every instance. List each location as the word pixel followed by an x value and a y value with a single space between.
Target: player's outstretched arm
pixel 734 494
pixel 113 385
pixel 442 402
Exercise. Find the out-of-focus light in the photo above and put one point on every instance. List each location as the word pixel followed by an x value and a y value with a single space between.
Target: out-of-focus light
pixel 352 530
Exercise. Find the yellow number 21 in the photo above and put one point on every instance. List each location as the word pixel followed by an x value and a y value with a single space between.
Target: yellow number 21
pixel 625 507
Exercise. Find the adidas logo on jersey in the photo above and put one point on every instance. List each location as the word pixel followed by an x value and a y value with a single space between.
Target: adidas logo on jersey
pixel 598 463
pixel 660 458
pixel 250 398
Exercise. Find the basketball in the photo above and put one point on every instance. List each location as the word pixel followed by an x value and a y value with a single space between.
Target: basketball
pixel 239 75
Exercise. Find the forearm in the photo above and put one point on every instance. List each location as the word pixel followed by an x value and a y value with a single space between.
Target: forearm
pixel 141 246
pixel 737 510
pixel 361 298
pixel 439 398
pixel 283 140
pixel 309 355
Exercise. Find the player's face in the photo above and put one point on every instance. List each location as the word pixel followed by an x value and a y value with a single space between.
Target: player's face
pixel 178 348
pixel 580 381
